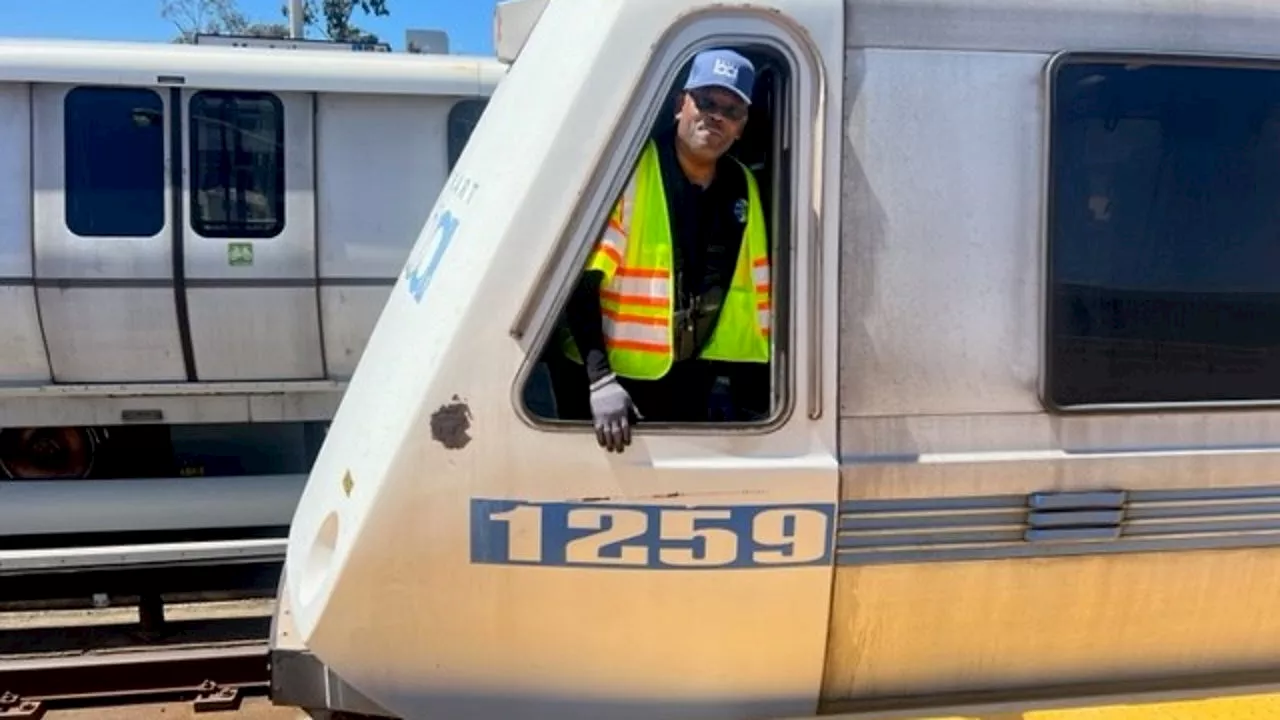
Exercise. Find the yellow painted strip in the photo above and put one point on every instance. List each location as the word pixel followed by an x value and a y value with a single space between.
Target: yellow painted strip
pixel 1243 707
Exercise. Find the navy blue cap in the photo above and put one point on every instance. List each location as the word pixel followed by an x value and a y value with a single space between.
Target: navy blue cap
pixel 722 68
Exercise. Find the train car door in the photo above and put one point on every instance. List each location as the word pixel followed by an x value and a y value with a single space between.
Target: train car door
pixel 249 252
pixel 103 227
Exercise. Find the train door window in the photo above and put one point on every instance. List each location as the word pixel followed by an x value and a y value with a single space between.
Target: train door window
pixel 463 117
pixel 237 164
pixel 115 171
pixel 692 332
pixel 1162 233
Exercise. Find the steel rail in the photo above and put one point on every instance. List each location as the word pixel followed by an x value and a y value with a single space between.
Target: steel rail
pixel 16 562
pixel 215 673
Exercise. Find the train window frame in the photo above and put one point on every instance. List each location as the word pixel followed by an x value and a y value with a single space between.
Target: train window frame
pixel 277 199
pixel 78 157
pixel 464 116
pixel 1056 153
pixel 783 196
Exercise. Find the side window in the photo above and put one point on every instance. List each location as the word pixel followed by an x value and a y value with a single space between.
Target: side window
pixel 114 147
pixel 679 302
pixel 1163 237
pixel 237 164
pixel 463 117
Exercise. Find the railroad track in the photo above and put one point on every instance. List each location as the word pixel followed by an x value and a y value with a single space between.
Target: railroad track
pixel 207 646
pixel 212 677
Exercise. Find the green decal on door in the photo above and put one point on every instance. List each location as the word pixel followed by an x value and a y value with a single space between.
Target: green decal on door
pixel 239 254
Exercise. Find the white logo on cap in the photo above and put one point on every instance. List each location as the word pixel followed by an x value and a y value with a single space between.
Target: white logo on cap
pixel 727 69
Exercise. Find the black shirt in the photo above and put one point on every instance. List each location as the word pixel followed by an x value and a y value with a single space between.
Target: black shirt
pixel 706 228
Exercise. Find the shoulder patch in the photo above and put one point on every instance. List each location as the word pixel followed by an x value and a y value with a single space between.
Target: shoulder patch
pixel 740 210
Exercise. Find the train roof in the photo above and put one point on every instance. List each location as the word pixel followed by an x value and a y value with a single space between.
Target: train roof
pixel 86 62
pixel 1218 27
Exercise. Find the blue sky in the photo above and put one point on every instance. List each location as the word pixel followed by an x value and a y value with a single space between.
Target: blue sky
pixel 468 22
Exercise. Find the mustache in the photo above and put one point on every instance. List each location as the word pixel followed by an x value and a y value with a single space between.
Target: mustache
pixel 713 126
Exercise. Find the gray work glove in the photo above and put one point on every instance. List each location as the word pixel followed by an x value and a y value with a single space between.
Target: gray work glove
pixel 611 410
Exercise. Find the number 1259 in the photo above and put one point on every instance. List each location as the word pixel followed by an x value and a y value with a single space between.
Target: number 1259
pixel 511 532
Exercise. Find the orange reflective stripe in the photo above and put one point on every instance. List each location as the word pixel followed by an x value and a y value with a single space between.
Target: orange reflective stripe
pixel 643 300
pixel 609 252
pixel 612 252
pixel 643 272
pixel 638 346
pixel 616 316
pixel 624 335
pixel 627 281
pixel 760 276
pixel 640 287
pixel 619 218
pixel 620 333
pixel 611 247
pixel 619 224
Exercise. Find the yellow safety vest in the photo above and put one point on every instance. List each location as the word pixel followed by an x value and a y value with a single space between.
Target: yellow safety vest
pixel 635 255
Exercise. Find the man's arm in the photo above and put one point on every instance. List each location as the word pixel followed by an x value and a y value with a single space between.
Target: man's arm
pixel 584 312
pixel 585 324
pixel 611 406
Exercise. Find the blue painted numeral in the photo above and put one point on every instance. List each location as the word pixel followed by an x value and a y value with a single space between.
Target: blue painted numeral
pixel 513 532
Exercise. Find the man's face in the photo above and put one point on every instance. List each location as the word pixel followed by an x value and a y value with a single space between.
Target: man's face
pixel 710 120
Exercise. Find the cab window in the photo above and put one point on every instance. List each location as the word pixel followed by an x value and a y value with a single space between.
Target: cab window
pixel 717 298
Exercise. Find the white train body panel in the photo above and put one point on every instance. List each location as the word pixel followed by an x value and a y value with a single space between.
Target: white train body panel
pixel 187 219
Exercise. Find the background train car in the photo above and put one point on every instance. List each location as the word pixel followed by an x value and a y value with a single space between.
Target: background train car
pixel 195 242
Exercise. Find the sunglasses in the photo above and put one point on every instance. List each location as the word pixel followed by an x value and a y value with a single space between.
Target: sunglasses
pixel 705 103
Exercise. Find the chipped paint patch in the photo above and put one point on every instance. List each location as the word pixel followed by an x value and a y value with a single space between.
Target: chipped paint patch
pixel 347 483
pixel 450 423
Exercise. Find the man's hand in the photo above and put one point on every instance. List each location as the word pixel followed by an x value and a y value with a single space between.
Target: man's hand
pixel 611 410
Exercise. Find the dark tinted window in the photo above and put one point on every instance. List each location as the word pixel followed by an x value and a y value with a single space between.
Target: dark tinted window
pixel 113 139
pixel 1164 234
pixel 462 121
pixel 237 164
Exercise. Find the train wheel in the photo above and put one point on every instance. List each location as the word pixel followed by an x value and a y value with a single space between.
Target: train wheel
pixel 47 453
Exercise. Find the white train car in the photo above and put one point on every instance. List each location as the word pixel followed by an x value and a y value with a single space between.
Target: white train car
pixel 195 242
pixel 1019 438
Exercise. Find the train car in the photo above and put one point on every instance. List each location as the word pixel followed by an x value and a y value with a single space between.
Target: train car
pixel 195 242
pixel 1017 438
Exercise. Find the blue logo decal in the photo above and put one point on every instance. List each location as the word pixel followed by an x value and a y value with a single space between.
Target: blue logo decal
pixel 443 229
pixel 651 537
